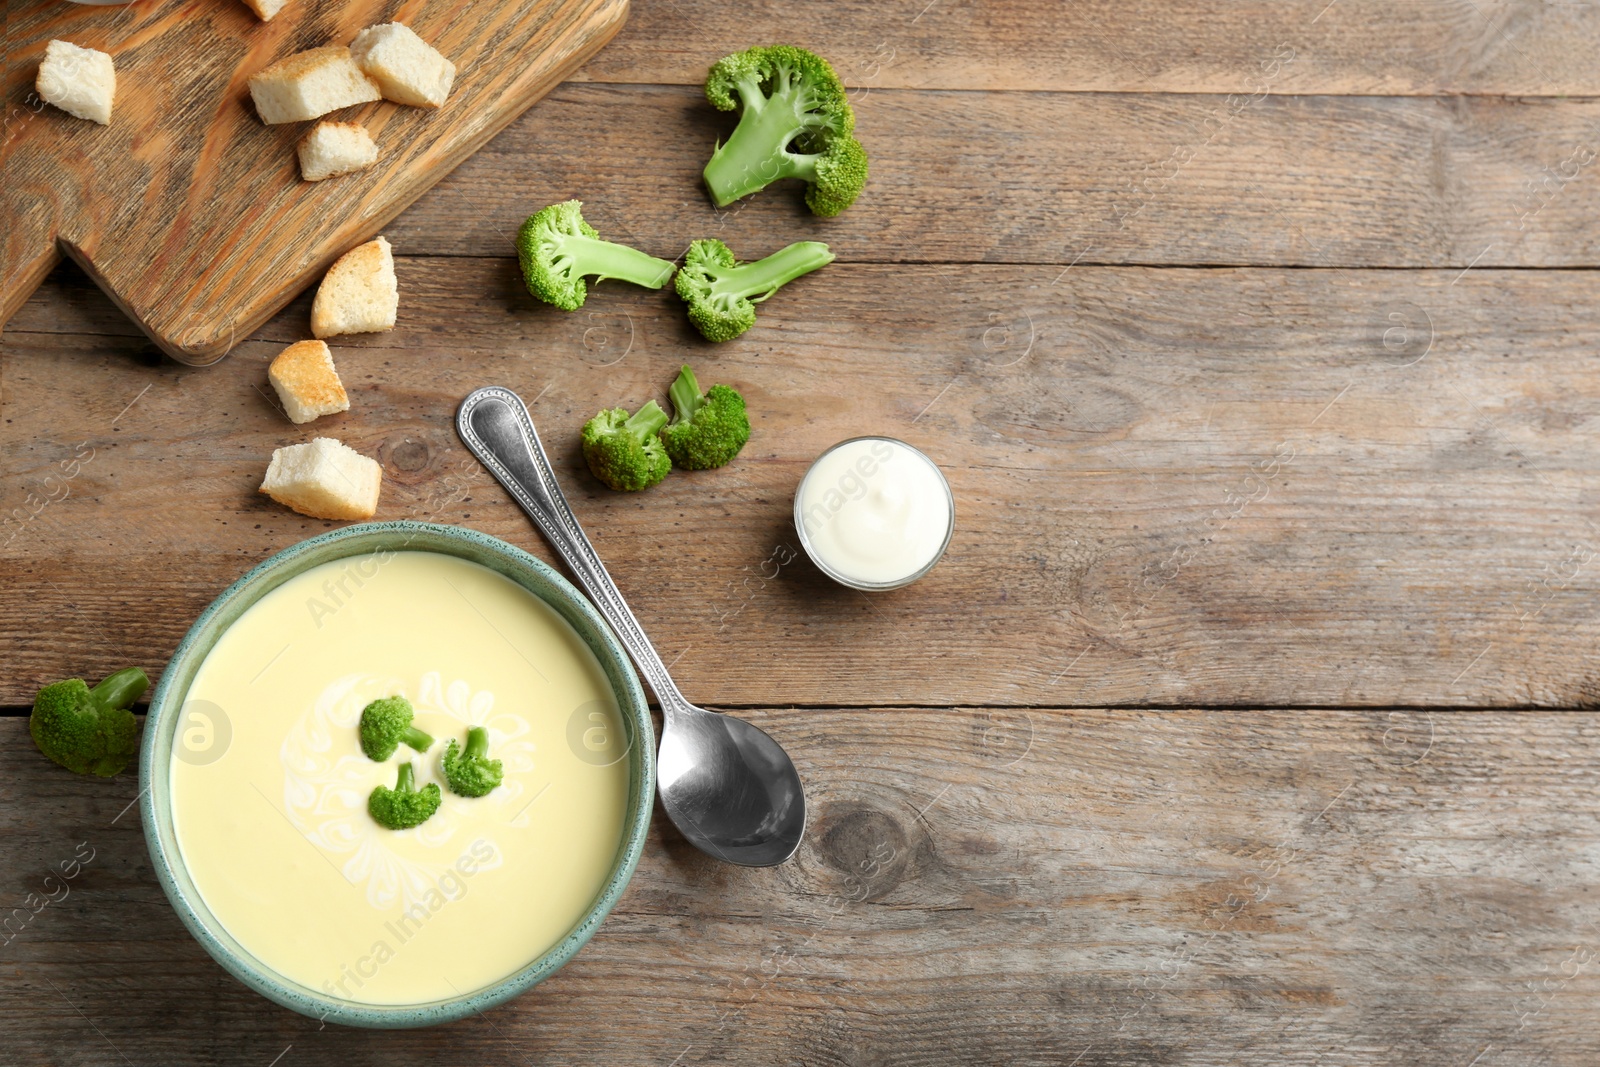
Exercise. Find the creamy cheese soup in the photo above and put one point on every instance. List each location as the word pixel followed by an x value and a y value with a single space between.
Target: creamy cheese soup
pixel 275 832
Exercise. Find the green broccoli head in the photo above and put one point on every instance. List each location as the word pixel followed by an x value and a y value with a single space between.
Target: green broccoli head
pixel 838 173
pixel 89 731
pixel 469 772
pixel 738 76
pixel 404 806
pixel 707 429
pixel 557 250
pixel 717 312
pixel 722 293
pixel 795 121
pixel 386 724
pixel 625 452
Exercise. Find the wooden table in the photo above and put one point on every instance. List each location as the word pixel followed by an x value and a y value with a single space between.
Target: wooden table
pixel 1245 720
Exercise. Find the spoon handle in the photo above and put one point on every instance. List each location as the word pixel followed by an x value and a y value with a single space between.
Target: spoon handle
pixel 495 426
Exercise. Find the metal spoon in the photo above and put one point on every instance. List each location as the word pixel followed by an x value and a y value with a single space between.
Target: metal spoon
pixel 731 789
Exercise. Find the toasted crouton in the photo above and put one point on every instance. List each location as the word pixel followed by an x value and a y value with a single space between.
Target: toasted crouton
pixel 407 69
pixel 265 9
pixel 306 381
pixel 80 81
pixel 335 148
pixel 324 479
pixel 358 294
pixel 309 84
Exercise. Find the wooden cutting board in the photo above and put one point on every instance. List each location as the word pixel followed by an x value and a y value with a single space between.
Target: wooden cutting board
pixel 187 209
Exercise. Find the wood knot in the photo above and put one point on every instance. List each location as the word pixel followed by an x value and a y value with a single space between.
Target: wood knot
pixel 867 847
pixel 409 455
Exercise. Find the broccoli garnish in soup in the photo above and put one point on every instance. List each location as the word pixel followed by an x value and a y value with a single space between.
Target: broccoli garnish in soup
pixel 404 806
pixel 470 772
pixel 386 724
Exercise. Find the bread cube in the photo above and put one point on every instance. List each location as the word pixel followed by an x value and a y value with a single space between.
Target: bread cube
pixel 359 293
pixel 79 81
pixel 310 84
pixel 407 69
pixel 324 479
pixel 265 9
pixel 306 381
pixel 335 148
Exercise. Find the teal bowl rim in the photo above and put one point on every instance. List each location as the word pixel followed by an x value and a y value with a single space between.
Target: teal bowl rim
pixel 404 535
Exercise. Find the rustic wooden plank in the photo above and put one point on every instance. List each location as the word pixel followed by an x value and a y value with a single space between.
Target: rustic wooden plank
pixel 1520 47
pixel 978 887
pixel 1173 486
pixel 1063 178
pixel 186 206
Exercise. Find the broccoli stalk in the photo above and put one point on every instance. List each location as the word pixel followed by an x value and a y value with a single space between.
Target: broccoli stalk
pixel 386 725
pixel 557 249
pixel 707 429
pixel 624 452
pixel 89 731
pixel 470 773
pixel 403 806
pixel 722 293
pixel 795 122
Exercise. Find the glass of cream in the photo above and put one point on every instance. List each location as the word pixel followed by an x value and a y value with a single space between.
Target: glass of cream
pixel 874 513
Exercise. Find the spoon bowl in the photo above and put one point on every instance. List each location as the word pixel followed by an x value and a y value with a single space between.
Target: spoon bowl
pixel 726 785
pixel 730 788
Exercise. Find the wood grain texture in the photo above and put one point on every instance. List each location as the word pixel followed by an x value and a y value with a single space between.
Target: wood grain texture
pixel 1221 487
pixel 1193 888
pixel 1064 178
pixel 189 210
pixel 1419 47
pixel 1296 479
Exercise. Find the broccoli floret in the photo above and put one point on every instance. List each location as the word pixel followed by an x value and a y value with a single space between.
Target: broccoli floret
pixel 90 731
pixel 722 293
pixel 471 773
pixel 795 122
pixel 403 807
pixel 385 724
pixel 557 249
pixel 707 429
pixel 624 452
